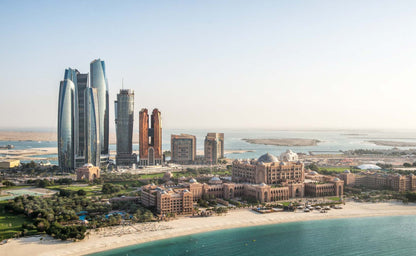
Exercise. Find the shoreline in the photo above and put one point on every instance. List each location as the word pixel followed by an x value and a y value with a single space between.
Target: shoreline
pixel 116 237
pixel 287 142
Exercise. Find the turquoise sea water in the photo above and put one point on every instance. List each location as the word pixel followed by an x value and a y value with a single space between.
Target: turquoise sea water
pixel 379 236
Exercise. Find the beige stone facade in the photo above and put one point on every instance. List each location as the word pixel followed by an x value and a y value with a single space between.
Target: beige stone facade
pixel 213 147
pixel 183 148
pixel 88 172
pixel 377 180
pixel 167 200
pixel 270 172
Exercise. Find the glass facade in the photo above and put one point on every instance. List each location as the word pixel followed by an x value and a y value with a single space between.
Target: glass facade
pixel 81 86
pixel 92 127
pixel 124 115
pixel 99 81
pixel 66 124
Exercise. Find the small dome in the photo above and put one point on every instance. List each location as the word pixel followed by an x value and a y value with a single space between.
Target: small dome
pixel 336 179
pixel 347 171
pixel 186 190
pixel 215 178
pixel 268 158
pixel 262 184
pixel 289 156
pixel 193 180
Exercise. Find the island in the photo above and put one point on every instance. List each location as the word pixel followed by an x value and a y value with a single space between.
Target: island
pixel 391 143
pixel 289 142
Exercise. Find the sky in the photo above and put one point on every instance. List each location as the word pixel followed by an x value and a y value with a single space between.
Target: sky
pixel 218 64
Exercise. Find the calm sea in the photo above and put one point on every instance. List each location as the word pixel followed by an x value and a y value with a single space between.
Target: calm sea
pixel 381 236
pixel 331 141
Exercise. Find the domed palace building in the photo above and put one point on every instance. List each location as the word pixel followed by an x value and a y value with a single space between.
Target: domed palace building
pixel 288 172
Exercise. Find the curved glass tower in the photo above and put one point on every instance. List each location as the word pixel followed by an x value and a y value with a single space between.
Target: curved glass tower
pixel 66 124
pixel 92 128
pixel 71 74
pixel 99 81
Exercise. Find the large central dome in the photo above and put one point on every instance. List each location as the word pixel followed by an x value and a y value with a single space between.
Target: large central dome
pixel 268 158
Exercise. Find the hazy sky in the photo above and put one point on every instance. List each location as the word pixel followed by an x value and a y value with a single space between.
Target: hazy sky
pixel 218 64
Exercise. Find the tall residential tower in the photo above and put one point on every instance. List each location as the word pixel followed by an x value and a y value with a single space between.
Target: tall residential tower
pixel 214 147
pixel 66 125
pixel 124 116
pixel 150 139
pixel 92 152
pixel 98 80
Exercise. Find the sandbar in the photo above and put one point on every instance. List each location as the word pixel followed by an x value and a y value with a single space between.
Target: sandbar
pixel 290 142
pixel 115 237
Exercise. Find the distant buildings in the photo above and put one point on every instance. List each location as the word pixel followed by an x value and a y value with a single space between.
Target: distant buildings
pixel 124 116
pixel 150 139
pixel 213 147
pixel 83 118
pixel 7 164
pixel 183 148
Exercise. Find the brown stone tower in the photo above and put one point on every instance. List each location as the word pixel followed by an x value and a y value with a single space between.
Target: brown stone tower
pixel 150 139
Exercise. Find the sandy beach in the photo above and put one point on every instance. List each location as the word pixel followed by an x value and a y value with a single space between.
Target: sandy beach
pixel 111 238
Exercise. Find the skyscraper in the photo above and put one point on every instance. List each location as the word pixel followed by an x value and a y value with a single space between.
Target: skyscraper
pixel 71 74
pixel 92 147
pixel 83 118
pixel 66 124
pixel 150 139
pixel 183 148
pixel 82 84
pixel 214 147
pixel 124 116
pixel 99 81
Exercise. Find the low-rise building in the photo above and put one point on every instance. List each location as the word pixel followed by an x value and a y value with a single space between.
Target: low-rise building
pixel 7 164
pixel 88 172
pixel 377 180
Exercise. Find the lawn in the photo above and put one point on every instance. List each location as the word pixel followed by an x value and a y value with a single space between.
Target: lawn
pixel 152 176
pixel 334 169
pixel 334 198
pixel 89 189
pixel 11 224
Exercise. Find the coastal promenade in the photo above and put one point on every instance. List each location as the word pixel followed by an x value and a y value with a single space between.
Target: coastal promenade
pixel 115 237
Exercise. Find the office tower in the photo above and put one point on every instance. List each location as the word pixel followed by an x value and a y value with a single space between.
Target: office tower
pixel 150 139
pixel 214 147
pixel 99 81
pixel 183 148
pixel 82 84
pixel 92 147
pixel 66 125
pixel 124 115
pixel 71 74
